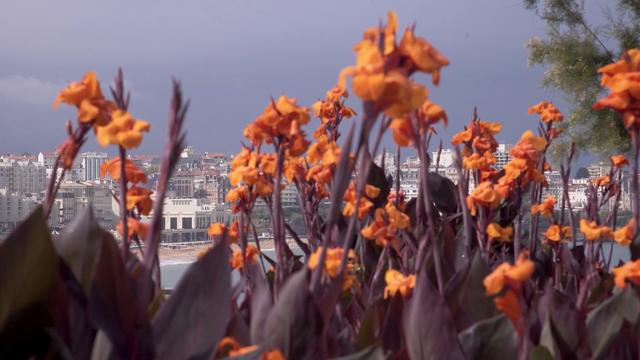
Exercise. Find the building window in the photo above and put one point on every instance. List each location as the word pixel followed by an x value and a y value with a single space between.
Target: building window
pixel 187 223
pixel 174 223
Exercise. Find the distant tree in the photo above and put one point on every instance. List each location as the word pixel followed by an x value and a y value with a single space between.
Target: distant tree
pixel 572 52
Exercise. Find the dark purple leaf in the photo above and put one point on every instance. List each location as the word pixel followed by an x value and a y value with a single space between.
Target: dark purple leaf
pixel 194 318
pixel 28 281
pixel 113 304
pixel 370 353
pixel 429 330
pixel 466 295
pixel 490 339
pixel 79 245
pixel 295 324
pixel 606 321
pixel 564 332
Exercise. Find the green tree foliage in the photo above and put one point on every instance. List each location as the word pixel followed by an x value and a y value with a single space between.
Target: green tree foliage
pixel 572 51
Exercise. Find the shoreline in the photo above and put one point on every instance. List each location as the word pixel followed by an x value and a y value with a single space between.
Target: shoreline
pixel 189 253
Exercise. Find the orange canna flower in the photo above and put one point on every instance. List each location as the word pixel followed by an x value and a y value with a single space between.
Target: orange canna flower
pixel 547 111
pixel 495 232
pixel 134 227
pixel 592 231
pixel 462 137
pixel 402 131
pixel 87 97
pixel 331 261
pixel 623 80
pixel 123 130
pixel 529 147
pixel 505 273
pixel 140 198
pixel 476 161
pixel 274 354
pixel 364 204
pixel 557 233
pixel 432 113
pixel 424 56
pixel 218 229
pixel 624 235
pixel 398 283
pixel 601 181
pixel 619 160
pixel 629 271
pixel 251 255
pixel 227 344
pixel 510 306
pixel 483 195
pixel 545 208
pixel 132 173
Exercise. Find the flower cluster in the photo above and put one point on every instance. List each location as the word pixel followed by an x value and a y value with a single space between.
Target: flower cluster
pixel 363 205
pixel 386 223
pixel 383 66
pixel 112 125
pixel 622 78
pixel 511 278
pixel 398 283
pixel 331 266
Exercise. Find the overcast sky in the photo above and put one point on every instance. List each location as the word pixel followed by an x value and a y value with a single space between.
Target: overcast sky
pixel 231 56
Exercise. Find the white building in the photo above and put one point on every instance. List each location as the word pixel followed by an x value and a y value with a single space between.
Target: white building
pixel 22 176
pixel 185 220
pixel 91 163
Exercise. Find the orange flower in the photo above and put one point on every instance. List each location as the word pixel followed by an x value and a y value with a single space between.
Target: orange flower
pixel 624 235
pixel 132 172
pixel 424 56
pixel 139 198
pixel 402 131
pixel 227 344
pixel 547 111
pixel 431 114
pixel 280 119
pixel 557 233
pixel 134 227
pixel 476 161
pixel 623 80
pixel 483 195
pixel 123 130
pixel 462 137
pixel 218 229
pixel 629 271
pixel 87 97
pixel 364 205
pixel 513 275
pixel 510 306
pixel 545 208
pixel 592 231
pixel 251 254
pixel 274 354
pixel 619 160
pixel 496 232
pixel 529 147
pixel 384 227
pixel 331 261
pixel 601 181
pixel 398 283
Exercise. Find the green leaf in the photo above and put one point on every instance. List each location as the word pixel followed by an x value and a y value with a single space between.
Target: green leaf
pixel 488 339
pixel 194 318
pixel 28 279
pixel 79 245
pixel 605 321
